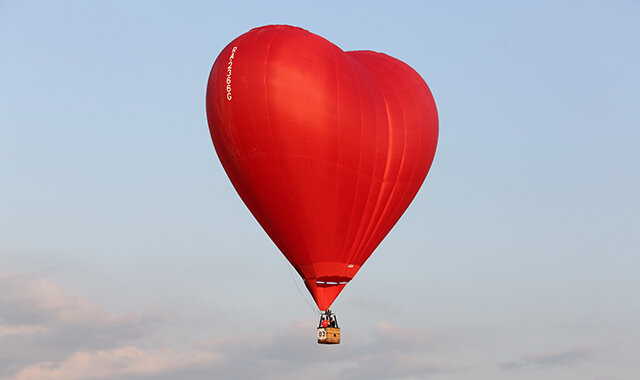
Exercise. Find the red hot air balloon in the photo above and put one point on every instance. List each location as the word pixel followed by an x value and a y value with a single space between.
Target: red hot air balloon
pixel 326 148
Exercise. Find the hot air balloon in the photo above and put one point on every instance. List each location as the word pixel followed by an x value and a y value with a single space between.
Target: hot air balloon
pixel 326 148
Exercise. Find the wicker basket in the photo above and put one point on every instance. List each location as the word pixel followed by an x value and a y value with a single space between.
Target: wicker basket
pixel 328 335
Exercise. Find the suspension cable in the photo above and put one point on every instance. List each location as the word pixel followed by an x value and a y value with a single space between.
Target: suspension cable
pixel 315 310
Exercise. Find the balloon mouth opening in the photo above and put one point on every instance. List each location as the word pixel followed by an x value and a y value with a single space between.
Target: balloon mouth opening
pixel 331 281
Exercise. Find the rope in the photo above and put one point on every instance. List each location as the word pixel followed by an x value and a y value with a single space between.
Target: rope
pixel 315 310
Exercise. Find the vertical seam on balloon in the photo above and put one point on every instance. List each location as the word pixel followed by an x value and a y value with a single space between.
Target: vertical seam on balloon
pixel 415 187
pixel 381 222
pixel 337 151
pixel 363 233
pixel 307 252
pixel 373 239
pixel 404 203
pixel 345 236
pixel 345 254
pixel 365 253
pixel 361 247
pixel 280 165
pixel 363 226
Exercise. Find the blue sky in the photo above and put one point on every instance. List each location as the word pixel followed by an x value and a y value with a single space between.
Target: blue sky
pixel 126 254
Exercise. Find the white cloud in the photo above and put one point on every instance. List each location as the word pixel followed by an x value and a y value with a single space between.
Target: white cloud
pixel 41 326
pixel 29 296
pixel 65 337
pixel 66 321
pixel 6 330
pixel 394 367
pixel 554 359
pixel 289 352
pixel 115 362
pixel 406 335
pixel 398 353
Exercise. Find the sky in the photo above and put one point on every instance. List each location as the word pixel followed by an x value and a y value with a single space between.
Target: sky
pixel 125 253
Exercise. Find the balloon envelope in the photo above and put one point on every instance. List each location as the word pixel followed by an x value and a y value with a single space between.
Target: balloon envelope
pixel 326 148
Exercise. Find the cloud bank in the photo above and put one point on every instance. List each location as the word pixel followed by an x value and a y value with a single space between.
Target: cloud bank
pixel 49 334
pixel 546 360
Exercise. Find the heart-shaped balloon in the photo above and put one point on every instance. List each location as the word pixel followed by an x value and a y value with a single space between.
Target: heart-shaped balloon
pixel 326 148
